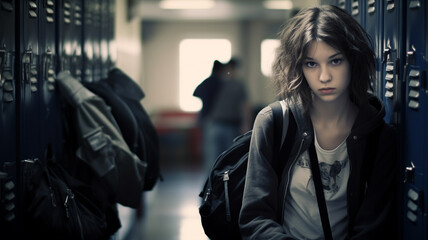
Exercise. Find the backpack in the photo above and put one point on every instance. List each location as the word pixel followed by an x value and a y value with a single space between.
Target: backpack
pixel 224 187
pixel 58 206
pixel 94 141
pixel 147 139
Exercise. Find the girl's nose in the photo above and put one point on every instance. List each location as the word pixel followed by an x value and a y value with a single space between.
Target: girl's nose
pixel 325 75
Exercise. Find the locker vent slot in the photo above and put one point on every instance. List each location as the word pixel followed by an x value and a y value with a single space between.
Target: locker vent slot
pixel 32 9
pixel 67 12
pixel 50 11
pixel 77 15
pixel 8 197
pixel 414 4
pixel 414 204
pixel 342 4
pixel 49 72
pixel 7 82
pixel 414 84
pixel 355 10
pixel 390 5
pixel 389 80
pixel 371 6
pixel 7 5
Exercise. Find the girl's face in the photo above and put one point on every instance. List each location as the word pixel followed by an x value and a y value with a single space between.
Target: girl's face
pixel 327 72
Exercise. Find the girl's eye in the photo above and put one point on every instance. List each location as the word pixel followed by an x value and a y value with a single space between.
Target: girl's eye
pixel 336 61
pixel 310 64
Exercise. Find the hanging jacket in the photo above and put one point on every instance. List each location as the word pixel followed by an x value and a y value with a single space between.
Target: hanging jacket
pixel 121 112
pixel 147 145
pixel 101 144
pixel 371 192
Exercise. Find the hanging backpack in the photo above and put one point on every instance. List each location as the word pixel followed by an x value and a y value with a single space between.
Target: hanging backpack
pixel 224 187
pixel 147 137
pixel 59 206
pixel 100 143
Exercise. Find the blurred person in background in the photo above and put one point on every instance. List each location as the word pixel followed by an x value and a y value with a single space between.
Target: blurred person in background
pixel 225 113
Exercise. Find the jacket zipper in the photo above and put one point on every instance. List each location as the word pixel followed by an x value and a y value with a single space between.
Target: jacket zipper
pixel 288 179
pixel 226 195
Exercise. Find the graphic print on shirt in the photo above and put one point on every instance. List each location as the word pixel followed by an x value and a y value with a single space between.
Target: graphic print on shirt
pixel 331 176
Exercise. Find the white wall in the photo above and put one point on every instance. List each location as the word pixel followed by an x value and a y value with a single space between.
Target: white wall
pixel 128 42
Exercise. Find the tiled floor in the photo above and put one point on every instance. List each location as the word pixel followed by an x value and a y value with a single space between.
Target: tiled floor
pixel 171 209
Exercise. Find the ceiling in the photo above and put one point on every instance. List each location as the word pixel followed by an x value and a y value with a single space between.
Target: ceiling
pixel 222 10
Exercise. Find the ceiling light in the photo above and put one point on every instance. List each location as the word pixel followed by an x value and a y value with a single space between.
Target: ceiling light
pixel 278 4
pixel 186 4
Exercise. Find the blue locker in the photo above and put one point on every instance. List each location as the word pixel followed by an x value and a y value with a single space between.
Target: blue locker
pixel 112 55
pixel 415 110
pixel 64 35
pixel 374 27
pixel 88 45
pixel 97 40
pixel 69 36
pixel 344 4
pixel 8 140
pixel 104 37
pixel 357 11
pixel 392 58
pixel 30 82
pixel 77 28
pixel 49 109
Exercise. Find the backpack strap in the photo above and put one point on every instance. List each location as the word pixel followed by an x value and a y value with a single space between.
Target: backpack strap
pixel 322 206
pixel 282 151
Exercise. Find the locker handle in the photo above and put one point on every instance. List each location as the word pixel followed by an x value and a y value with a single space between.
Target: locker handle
pixel 47 63
pixel 409 175
pixel 386 53
pixel 26 61
pixel 410 56
pixel 2 56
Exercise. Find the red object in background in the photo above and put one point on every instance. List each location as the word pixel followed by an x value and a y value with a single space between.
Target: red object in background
pixel 174 122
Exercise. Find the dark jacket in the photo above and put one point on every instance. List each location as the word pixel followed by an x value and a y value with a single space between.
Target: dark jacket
pixel 207 91
pixel 372 183
pixel 147 142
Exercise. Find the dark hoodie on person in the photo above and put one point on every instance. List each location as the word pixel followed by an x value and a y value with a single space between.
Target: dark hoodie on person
pixel 372 185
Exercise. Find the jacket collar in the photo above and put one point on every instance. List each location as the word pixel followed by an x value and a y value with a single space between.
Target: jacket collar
pixel 370 115
pixel 304 124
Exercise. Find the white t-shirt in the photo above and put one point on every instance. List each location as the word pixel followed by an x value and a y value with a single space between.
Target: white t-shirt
pixel 301 218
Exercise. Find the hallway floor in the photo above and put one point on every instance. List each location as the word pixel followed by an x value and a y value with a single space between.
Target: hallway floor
pixel 171 209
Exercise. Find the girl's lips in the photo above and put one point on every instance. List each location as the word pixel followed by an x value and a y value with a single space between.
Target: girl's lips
pixel 326 90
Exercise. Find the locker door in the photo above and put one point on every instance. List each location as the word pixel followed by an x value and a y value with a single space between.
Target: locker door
pixel 97 39
pixel 415 119
pixel 374 26
pixel 112 55
pixel 393 51
pixel 30 90
pixel 64 35
pixel 104 37
pixel 357 11
pixel 8 140
pixel 88 45
pixel 344 4
pixel 50 108
pixel 77 23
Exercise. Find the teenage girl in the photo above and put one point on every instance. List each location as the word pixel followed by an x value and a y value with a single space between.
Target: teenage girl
pixel 323 71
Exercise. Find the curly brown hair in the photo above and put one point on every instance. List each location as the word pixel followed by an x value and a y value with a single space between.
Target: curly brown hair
pixel 338 29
